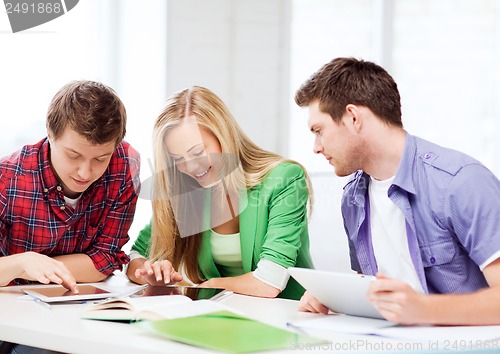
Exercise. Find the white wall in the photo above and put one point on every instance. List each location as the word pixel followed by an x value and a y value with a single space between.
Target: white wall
pixel 444 56
pixel 329 247
pixel 238 49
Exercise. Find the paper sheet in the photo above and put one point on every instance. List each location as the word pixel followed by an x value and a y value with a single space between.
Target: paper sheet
pixel 344 323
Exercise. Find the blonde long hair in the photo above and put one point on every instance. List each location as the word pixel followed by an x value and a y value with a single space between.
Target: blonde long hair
pixel 255 163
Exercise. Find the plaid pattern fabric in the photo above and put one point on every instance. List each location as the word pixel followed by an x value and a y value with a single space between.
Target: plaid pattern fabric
pixel 35 217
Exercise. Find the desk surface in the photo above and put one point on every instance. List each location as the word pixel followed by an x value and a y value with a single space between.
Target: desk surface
pixel 61 328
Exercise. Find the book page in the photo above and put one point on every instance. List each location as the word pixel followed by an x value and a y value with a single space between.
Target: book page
pixel 188 309
pixel 133 309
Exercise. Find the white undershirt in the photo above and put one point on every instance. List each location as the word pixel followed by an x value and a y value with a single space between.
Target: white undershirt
pixel 72 202
pixel 389 239
pixel 226 251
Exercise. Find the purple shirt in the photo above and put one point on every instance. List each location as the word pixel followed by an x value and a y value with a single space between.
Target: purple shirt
pixel 451 204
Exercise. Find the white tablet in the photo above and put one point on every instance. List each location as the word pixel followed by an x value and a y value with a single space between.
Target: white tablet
pixel 340 292
pixel 58 293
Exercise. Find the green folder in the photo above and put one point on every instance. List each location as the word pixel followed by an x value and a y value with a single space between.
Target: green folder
pixel 227 332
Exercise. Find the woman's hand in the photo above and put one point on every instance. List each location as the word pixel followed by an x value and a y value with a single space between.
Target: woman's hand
pixel 157 273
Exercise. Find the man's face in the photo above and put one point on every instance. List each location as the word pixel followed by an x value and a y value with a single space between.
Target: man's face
pixel 335 141
pixel 76 162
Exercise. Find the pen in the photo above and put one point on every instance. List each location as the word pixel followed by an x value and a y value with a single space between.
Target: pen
pixel 43 304
pixel 296 328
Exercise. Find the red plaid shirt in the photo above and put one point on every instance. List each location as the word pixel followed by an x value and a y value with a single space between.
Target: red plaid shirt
pixel 35 217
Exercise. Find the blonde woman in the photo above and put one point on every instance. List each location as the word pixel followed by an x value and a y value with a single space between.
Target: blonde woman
pixel 226 212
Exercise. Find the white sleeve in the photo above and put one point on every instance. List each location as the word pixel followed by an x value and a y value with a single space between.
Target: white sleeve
pixel 272 274
pixel 490 260
pixel 133 255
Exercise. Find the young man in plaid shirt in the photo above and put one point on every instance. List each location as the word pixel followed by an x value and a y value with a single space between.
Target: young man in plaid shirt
pixel 67 202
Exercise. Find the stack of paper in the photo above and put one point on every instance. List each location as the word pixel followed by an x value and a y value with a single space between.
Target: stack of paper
pixel 450 337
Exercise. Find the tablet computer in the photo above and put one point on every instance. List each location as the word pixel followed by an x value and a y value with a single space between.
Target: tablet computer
pixel 58 293
pixel 340 292
pixel 193 292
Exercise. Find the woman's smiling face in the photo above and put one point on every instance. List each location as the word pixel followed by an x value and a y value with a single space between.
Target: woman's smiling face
pixel 193 148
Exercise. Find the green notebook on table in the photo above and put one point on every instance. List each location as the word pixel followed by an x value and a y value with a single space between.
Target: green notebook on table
pixel 227 332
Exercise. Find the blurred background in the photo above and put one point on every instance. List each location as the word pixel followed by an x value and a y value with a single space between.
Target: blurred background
pixel 444 55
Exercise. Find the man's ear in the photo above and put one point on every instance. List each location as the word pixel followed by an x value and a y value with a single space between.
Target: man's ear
pixel 50 136
pixel 353 119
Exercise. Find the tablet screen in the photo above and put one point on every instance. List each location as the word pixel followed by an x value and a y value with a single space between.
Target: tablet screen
pixel 60 293
pixel 193 292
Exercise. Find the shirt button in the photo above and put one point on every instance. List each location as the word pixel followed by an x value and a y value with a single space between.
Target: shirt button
pixel 427 156
pixel 63 207
pixel 433 260
pixel 59 188
pixel 45 190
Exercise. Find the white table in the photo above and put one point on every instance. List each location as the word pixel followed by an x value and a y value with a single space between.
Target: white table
pixel 61 328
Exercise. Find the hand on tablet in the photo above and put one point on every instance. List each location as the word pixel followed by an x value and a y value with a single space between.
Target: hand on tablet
pixel 44 269
pixel 396 300
pixel 308 303
pixel 158 273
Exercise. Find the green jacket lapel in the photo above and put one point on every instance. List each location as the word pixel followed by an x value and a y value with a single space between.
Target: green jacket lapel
pixel 205 260
pixel 248 203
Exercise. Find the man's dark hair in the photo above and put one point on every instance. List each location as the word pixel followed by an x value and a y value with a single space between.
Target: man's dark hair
pixel 91 109
pixel 345 81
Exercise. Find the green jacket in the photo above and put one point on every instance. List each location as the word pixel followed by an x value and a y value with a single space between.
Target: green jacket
pixel 272 226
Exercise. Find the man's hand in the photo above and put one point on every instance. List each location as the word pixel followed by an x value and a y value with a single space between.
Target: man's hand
pixel 397 301
pixel 308 303
pixel 44 269
pixel 158 273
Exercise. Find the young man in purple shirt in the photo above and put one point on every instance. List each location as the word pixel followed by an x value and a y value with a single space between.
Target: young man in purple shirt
pixel 423 218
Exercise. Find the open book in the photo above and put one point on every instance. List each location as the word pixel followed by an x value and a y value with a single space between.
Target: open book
pixel 133 309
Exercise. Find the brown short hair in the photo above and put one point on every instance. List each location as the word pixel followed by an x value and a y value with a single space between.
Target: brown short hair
pixel 345 81
pixel 91 109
